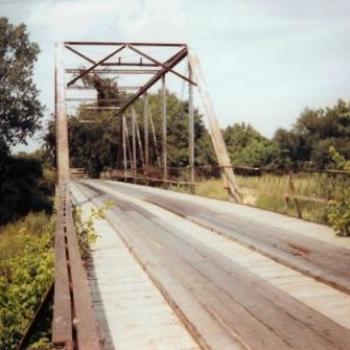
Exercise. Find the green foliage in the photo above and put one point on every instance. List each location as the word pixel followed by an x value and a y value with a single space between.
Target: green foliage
pixel 247 147
pixel 20 115
pixel 26 272
pixel 177 131
pixel 212 188
pixel 85 228
pixel 97 145
pixel 25 186
pixel 20 111
pixel 339 207
pixel 267 191
pixel 308 142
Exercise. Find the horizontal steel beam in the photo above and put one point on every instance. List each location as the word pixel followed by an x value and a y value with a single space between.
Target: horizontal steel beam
pixel 117 63
pixel 112 43
pixel 121 88
pixel 93 98
pixel 101 108
pixel 130 64
pixel 111 71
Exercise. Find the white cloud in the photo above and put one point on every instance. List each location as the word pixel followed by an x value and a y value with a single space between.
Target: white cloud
pixel 264 60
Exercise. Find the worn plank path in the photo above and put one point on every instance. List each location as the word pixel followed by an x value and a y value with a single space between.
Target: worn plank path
pixel 228 276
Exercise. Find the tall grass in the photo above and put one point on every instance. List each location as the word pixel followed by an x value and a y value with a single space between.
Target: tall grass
pixel 271 192
pixel 26 272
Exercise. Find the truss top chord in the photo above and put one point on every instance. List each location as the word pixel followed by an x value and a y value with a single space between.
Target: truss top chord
pixel 112 71
pixel 113 43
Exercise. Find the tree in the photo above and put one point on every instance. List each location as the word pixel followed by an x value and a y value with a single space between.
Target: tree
pixel 98 144
pixel 20 109
pixel 247 147
pixel 308 142
pixel 20 114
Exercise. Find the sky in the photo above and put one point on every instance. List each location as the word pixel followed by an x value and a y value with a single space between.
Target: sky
pixel 264 60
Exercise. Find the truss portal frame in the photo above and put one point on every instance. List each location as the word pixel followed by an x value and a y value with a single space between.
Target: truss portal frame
pixel 147 64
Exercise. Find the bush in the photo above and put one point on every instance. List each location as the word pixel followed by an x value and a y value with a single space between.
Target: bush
pixel 85 229
pixel 339 207
pixel 26 272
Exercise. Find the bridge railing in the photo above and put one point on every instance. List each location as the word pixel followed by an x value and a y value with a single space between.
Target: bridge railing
pixel 304 193
pixel 74 325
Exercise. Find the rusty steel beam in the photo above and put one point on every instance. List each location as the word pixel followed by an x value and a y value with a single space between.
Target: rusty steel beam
pixel 125 162
pixel 100 108
pixel 133 140
pixel 164 130
pixel 154 136
pixel 163 65
pixel 73 325
pixel 61 117
pixel 172 62
pixel 93 99
pixel 121 88
pixel 113 43
pixel 111 71
pixel 62 330
pixel 191 127
pixel 130 64
pixel 145 130
pixel 80 54
pixel 138 135
pixel 215 131
pixel 95 65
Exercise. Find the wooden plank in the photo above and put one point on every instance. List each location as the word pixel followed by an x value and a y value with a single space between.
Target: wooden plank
pixel 132 313
pixel 208 333
pixel 203 326
pixel 210 277
pixel 330 302
pixel 295 322
pixel 326 262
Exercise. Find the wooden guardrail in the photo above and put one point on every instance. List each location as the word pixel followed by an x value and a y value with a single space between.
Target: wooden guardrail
pixel 291 193
pixel 74 325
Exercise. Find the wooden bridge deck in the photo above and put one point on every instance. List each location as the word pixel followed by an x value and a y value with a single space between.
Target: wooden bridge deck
pixel 175 271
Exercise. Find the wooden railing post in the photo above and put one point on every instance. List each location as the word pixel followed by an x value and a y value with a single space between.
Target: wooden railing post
pixel 291 193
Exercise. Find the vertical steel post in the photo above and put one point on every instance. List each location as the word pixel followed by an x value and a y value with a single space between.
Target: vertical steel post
pixel 164 129
pixel 133 135
pixel 140 144
pixel 62 152
pixel 145 130
pixel 128 147
pixel 191 128
pixel 155 142
pixel 124 147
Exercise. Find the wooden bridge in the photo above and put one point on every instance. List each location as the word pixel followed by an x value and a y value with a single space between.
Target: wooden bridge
pixel 176 271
